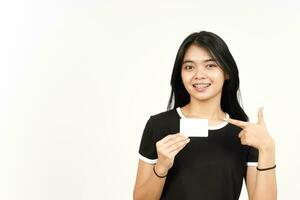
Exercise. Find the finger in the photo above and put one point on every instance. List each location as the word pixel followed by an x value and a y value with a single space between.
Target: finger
pixel 260 116
pixel 175 151
pixel 174 141
pixel 236 122
pixel 170 137
pixel 243 141
pixel 241 134
pixel 242 137
pixel 178 145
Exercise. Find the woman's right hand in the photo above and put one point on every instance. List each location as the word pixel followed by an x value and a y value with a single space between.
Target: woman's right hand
pixel 167 148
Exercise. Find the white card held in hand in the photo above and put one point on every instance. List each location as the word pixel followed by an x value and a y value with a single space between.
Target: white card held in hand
pixel 193 127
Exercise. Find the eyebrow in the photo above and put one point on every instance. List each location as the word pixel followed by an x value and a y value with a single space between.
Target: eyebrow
pixel 207 60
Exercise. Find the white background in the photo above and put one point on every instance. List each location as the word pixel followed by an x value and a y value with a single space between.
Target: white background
pixel 79 79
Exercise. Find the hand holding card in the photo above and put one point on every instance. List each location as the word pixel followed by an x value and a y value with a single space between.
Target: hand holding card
pixel 193 127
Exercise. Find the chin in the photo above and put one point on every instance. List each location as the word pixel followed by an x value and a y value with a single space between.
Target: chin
pixel 202 98
pixel 205 96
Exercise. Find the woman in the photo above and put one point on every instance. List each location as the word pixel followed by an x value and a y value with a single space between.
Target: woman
pixel 205 84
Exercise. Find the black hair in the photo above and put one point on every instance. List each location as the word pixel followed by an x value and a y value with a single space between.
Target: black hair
pixel 218 49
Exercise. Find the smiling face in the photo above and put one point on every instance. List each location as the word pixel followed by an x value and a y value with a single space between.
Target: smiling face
pixel 201 75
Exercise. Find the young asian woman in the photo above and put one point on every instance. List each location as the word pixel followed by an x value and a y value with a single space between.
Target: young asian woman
pixel 205 84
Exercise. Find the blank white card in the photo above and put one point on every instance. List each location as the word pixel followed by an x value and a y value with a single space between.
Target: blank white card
pixel 193 127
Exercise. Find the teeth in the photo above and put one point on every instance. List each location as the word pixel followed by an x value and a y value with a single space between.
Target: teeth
pixel 201 85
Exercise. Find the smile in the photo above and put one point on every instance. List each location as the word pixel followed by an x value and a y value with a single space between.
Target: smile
pixel 201 85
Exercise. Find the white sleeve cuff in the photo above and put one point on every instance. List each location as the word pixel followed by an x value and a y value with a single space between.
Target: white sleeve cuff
pixel 252 163
pixel 147 160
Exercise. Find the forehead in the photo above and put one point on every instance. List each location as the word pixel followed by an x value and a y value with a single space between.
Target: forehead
pixel 197 54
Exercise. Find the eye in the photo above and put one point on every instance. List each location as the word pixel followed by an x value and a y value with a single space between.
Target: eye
pixel 211 65
pixel 187 66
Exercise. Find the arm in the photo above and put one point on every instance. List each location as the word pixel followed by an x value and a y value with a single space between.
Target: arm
pixel 262 184
pixel 148 185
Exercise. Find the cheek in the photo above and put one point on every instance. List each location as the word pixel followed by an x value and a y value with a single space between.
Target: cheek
pixel 218 77
pixel 185 82
pixel 186 78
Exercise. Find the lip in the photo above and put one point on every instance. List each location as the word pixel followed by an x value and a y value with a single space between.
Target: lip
pixel 201 89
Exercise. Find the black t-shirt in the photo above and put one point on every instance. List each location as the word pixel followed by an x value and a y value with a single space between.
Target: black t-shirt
pixel 208 168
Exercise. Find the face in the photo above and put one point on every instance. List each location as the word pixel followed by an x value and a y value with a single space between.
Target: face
pixel 201 76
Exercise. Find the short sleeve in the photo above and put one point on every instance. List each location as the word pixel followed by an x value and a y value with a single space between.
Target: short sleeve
pixel 252 156
pixel 147 149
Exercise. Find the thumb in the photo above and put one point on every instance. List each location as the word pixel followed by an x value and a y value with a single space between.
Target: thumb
pixel 260 116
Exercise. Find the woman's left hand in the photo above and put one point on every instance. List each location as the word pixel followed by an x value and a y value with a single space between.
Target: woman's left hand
pixel 254 134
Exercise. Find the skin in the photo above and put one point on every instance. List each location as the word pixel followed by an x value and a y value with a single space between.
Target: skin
pixel 260 185
pixel 199 67
pixel 203 69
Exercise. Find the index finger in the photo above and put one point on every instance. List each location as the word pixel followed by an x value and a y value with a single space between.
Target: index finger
pixel 171 136
pixel 236 122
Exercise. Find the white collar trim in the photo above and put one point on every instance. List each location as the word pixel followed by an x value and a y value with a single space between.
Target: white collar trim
pixel 221 125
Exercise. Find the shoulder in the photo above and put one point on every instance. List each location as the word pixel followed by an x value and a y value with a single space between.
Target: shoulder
pixel 164 118
pixel 164 115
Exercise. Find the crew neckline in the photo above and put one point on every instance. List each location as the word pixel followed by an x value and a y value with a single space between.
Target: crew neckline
pixel 216 127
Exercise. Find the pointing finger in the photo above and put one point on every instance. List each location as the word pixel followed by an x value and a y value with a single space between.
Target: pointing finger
pixel 236 122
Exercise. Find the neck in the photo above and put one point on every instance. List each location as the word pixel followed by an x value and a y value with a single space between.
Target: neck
pixel 210 109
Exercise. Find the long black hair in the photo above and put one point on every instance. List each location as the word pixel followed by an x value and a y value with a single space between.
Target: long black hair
pixel 218 49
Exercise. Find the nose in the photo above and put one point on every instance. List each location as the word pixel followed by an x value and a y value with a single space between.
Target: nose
pixel 200 72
